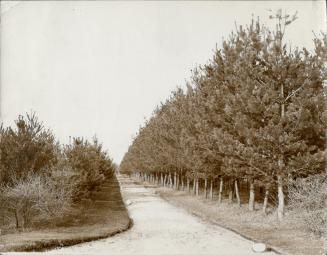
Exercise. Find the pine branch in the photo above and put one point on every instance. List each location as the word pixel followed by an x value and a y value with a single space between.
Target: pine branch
pixel 294 92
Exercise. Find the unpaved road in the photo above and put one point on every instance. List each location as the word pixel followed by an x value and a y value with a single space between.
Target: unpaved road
pixel 161 228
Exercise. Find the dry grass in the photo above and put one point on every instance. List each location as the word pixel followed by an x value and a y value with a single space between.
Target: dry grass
pixel 289 237
pixel 89 221
pixel 58 237
pixel 308 197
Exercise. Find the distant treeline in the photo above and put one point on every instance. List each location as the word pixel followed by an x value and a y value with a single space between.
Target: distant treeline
pixel 40 178
pixel 256 113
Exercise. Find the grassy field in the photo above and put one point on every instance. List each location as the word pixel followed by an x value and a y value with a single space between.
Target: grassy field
pixel 101 216
pixel 288 237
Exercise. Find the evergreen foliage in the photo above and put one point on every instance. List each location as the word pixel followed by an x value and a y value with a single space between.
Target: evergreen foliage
pixel 39 178
pixel 256 112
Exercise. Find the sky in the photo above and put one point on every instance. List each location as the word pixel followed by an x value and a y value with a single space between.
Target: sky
pixel 101 67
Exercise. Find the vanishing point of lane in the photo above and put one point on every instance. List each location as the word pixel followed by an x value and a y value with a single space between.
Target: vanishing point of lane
pixel 161 228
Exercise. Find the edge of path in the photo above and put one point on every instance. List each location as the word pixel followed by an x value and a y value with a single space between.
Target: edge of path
pixel 212 221
pixel 45 245
pixel 198 215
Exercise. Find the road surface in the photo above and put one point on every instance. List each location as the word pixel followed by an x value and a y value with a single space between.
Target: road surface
pixel 161 228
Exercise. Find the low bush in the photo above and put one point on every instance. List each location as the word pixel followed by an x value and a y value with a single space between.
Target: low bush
pixel 37 197
pixel 308 196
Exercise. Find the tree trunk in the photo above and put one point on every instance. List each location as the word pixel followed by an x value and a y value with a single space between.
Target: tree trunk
pixel 237 194
pixel 280 209
pixel 265 201
pixel 211 189
pixel 197 186
pixel 188 184
pixel 25 219
pixel 16 219
pixel 177 182
pixel 220 190
pixel 194 186
pixel 252 195
pixel 205 188
pixel 170 184
pixel 282 103
pixel 230 194
pixel 164 180
pixel 182 179
pixel 281 199
pixel 169 180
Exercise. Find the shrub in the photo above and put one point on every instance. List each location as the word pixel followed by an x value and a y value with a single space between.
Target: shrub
pixel 36 197
pixel 308 197
pixel 91 165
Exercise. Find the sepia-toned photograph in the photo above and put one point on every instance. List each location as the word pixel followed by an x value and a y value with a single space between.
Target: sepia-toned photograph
pixel 163 127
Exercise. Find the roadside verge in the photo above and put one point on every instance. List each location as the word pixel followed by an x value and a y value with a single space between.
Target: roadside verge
pixel 285 238
pixel 101 216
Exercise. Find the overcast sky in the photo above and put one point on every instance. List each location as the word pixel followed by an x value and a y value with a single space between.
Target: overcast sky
pixel 101 67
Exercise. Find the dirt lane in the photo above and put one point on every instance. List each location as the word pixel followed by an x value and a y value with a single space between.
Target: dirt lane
pixel 161 228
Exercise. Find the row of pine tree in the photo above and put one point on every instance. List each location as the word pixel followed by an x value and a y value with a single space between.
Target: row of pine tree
pixel 256 112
